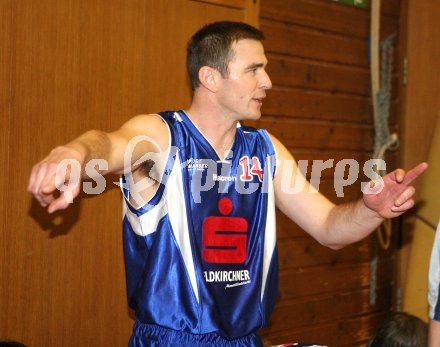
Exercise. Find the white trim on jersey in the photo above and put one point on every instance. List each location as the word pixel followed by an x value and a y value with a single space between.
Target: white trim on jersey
pixel 147 223
pixel 179 222
pixel 270 230
pixel 177 116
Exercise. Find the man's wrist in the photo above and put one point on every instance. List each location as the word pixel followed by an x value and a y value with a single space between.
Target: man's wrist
pixel 370 213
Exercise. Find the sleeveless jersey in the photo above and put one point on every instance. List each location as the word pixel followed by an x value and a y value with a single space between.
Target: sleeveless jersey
pixel 201 255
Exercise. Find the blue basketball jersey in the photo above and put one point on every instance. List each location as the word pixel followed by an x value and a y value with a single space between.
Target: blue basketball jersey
pixel 201 254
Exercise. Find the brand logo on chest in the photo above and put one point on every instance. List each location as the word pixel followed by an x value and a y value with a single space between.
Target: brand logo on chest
pixel 224 238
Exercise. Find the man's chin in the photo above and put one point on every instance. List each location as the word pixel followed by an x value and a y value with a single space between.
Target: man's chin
pixel 251 116
pixel 255 116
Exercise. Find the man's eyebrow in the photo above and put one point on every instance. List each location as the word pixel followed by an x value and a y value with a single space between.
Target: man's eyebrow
pixel 254 66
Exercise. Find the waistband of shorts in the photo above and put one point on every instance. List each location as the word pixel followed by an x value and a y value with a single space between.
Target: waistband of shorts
pixel 170 337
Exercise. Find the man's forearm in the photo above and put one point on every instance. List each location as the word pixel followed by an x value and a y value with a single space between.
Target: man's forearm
pixel 350 222
pixel 93 144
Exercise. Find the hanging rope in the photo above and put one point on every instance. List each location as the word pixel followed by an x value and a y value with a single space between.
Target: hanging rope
pixel 381 78
pixel 383 140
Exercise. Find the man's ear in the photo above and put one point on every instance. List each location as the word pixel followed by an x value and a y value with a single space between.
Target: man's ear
pixel 208 78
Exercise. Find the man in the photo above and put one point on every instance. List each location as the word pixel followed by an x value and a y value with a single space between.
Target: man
pixel 199 226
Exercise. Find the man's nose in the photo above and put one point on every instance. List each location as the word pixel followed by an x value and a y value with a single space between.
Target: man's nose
pixel 266 83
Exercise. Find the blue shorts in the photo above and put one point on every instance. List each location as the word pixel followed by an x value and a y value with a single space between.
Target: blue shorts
pixel 149 335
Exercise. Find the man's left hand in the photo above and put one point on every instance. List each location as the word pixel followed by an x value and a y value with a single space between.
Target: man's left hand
pixel 393 195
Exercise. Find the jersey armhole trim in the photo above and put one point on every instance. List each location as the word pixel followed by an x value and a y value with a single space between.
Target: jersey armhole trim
pixel 158 194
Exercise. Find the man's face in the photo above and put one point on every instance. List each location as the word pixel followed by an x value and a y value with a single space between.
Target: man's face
pixel 241 93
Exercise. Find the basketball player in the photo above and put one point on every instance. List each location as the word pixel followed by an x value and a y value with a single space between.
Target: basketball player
pixel 200 193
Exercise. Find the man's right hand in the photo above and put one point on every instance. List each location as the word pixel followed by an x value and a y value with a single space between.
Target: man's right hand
pixel 55 181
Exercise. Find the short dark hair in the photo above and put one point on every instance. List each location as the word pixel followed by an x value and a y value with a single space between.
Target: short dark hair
pixel 401 330
pixel 211 46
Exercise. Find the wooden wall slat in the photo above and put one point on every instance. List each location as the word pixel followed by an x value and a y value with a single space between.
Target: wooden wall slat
pixel 307 252
pixel 228 3
pixel 252 12
pixel 361 328
pixel 322 76
pixel 347 333
pixel 304 104
pixel 339 306
pixel 330 16
pixel 421 104
pixel 297 134
pixel 329 279
pixel 315 75
pixel 325 47
pixel 300 251
pixel 6 44
pixel 6 23
pixel 326 15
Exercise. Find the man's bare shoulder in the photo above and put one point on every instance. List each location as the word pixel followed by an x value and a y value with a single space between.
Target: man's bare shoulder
pixel 150 126
pixel 146 121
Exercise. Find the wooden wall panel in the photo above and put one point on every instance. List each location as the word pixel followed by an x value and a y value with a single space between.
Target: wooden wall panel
pixel 421 97
pixel 300 103
pixel 70 74
pixel 250 8
pixel 322 76
pixel 323 280
pixel 338 305
pixel 347 332
pixel 326 47
pixel 229 3
pixel 320 107
pixel 320 135
pixel 71 65
pixel 420 103
pixel 298 251
pixel 6 22
pixel 315 75
pixel 330 16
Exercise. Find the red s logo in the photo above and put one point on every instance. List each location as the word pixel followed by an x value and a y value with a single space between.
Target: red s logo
pixel 224 238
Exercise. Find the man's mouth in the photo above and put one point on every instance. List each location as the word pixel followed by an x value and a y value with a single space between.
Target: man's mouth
pixel 258 100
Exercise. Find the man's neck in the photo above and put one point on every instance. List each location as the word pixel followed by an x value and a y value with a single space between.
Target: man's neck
pixel 218 129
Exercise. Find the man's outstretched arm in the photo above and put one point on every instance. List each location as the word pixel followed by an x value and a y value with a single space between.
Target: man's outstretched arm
pixel 336 226
pixel 45 178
